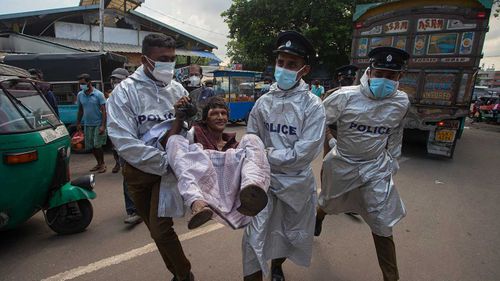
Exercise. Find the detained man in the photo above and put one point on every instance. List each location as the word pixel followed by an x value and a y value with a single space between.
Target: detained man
pixel 215 172
pixel 358 170
pixel 290 120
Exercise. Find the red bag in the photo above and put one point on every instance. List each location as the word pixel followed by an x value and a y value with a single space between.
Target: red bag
pixel 78 137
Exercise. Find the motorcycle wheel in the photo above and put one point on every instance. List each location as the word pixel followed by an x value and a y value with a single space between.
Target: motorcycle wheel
pixel 63 221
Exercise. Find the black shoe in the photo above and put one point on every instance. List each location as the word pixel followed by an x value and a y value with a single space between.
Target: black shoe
pixel 277 274
pixel 318 226
pixel 191 278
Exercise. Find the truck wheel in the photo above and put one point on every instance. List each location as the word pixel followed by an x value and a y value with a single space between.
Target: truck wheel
pixel 70 218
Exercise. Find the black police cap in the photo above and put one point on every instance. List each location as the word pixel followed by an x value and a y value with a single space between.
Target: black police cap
pixel 347 70
pixel 294 43
pixel 388 58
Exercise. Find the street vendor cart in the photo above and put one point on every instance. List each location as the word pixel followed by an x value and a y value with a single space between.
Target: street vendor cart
pixel 239 91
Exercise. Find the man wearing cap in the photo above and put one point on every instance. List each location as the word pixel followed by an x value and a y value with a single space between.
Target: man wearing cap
pixel 199 94
pixel 357 172
pixel 290 120
pixel 118 75
pixel 345 77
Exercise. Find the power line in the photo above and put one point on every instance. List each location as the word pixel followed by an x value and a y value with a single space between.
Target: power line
pixel 183 22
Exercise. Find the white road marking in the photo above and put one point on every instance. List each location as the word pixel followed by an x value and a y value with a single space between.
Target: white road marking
pixel 151 247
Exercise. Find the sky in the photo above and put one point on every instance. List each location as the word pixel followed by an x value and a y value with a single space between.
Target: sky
pixel 202 19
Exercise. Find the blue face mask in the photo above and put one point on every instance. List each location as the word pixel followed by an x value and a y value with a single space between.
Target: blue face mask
pixel 382 87
pixel 84 87
pixel 285 78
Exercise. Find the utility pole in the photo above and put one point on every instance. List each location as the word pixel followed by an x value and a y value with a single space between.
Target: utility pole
pixel 101 25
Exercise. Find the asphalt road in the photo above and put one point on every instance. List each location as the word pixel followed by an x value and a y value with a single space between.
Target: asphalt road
pixel 451 232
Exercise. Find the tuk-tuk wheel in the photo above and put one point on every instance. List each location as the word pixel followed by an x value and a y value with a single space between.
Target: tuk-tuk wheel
pixel 70 218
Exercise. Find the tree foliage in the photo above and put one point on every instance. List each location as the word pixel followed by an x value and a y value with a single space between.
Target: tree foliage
pixel 255 24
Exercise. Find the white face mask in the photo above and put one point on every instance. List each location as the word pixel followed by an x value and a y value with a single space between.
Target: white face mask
pixel 194 81
pixel 163 71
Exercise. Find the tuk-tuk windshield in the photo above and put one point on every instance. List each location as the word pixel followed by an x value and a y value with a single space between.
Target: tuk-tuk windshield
pixel 22 108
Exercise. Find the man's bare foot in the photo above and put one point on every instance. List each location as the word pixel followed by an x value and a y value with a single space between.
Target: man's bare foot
pixel 253 200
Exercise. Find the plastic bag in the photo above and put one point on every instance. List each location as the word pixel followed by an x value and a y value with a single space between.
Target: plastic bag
pixel 78 137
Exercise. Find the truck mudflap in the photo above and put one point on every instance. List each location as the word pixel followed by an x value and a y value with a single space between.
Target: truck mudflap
pixel 443 138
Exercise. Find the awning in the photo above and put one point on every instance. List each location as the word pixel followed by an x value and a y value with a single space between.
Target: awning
pixel 117 48
pixel 209 55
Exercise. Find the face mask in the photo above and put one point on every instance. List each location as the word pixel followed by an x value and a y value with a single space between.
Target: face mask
pixel 382 87
pixel 84 87
pixel 194 81
pixel 163 71
pixel 285 78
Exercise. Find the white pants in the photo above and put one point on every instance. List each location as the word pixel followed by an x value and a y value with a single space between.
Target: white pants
pixel 217 177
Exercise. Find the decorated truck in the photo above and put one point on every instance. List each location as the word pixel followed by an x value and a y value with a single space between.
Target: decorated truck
pixel 445 40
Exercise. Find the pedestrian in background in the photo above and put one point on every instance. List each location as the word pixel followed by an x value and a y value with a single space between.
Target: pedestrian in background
pixel 118 75
pixel 317 89
pixel 345 76
pixel 199 93
pixel 37 74
pixel 92 111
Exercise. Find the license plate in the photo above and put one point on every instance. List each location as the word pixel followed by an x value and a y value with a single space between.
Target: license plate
pixel 445 135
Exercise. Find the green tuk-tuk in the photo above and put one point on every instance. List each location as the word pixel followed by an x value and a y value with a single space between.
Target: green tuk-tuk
pixel 34 164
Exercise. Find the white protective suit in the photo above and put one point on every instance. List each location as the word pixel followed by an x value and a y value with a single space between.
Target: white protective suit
pixel 291 125
pixel 135 106
pixel 357 172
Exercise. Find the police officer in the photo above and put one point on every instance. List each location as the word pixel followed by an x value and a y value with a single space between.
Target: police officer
pixel 143 100
pixel 357 172
pixel 345 76
pixel 290 120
